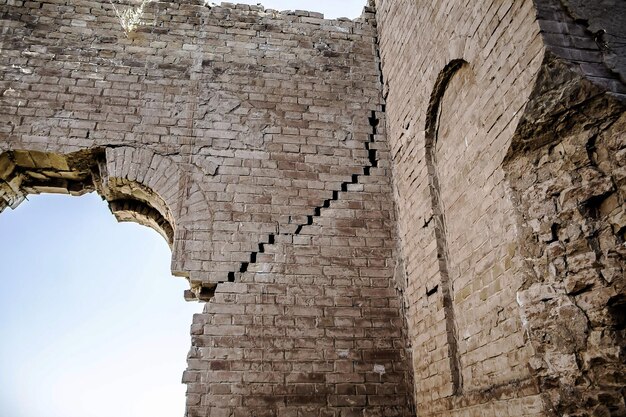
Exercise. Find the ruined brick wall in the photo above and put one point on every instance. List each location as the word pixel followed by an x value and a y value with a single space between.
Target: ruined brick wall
pixel 477 98
pixel 451 113
pixel 254 142
pixel 566 171
pixel 268 149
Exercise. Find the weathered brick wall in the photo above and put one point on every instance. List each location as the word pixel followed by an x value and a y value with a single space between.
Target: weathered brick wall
pixel 476 94
pixel 263 146
pixel 254 142
pixel 250 103
pixel 456 88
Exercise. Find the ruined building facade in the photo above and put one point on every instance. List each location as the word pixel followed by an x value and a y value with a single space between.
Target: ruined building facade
pixel 418 212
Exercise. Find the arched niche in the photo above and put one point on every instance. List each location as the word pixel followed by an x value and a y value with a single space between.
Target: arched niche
pixel 474 227
pixel 440 229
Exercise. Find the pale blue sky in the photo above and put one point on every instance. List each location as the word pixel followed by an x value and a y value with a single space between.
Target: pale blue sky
pixel 92 324
pixel 332 9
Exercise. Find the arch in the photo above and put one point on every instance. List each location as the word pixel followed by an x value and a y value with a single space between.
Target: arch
pixel 432 132
pixel 35 172
pixel 434 105
pixel 140 212
pixel 139 185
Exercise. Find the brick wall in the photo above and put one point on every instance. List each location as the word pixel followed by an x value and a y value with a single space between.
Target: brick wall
pixel 268 112
pixel 254 141
pixel 473 92
pixel 430 193
pixel 456 88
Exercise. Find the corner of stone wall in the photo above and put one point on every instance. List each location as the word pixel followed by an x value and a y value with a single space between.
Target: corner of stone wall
pixel 566 170
pixel 400 275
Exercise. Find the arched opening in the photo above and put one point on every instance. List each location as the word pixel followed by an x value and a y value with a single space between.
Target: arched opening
pixel 32 172
pixel 92 321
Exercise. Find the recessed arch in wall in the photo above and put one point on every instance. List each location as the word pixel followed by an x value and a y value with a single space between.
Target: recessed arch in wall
pixel 432 127
pixel 33 172
pixel 146 194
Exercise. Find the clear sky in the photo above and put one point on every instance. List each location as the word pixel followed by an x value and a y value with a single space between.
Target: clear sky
pixel 332 9
pixel 92 324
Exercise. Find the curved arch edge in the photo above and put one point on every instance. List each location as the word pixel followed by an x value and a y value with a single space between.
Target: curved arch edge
pixel 434 104
pixel 431 129
pixel 132 196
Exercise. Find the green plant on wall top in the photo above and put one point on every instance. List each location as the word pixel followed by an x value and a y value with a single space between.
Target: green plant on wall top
pixel 130 19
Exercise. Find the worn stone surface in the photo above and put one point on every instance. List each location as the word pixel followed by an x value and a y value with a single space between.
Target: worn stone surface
pixel 570 198
pixel 422 206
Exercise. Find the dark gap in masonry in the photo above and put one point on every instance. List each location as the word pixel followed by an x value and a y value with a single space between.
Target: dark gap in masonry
pixel 317 211
pixel 372 157
pixel 373 121
pixel 206 293
pixel 432 291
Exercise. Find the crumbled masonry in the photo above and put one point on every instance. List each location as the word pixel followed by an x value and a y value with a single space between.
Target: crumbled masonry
pixel 418 212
